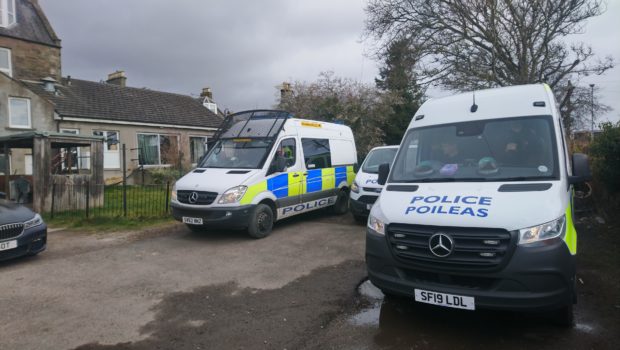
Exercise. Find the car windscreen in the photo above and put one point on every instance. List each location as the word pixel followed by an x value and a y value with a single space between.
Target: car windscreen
pixel 238 153
pixel 377 157
pixel 507 149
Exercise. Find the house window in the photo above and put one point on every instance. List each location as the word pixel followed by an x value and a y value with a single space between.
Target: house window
pixel 197 147
pixel 74 158
pixel 157 149
pixel 7 13
pixel 5 61
pixel 19 112
pixel 111 146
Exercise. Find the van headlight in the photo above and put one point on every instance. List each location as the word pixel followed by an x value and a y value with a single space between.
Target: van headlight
pixel 376 225
pixel 233 195
pixel 173 195
pixel 355 188
pixel 35 221
pixel 549 230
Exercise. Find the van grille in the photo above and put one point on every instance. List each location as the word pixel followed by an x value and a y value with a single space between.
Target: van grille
pixel 204 198
pixel 9 231
pixel 474 248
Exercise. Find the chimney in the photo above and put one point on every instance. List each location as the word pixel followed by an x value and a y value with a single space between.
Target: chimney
pixel 206 92
pixel 117 78
pixel 49 84
pixel 285 90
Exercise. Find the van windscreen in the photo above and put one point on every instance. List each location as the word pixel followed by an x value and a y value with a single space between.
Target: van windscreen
pixel 506 149
pixel 242 153
pixel 378 157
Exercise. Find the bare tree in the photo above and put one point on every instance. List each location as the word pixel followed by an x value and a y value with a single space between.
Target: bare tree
pixel 335 99
pixel 472 44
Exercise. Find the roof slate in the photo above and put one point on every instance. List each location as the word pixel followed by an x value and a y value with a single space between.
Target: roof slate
pixel 87 99
pixel 32 25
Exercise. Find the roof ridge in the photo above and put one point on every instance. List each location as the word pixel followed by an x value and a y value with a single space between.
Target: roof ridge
pixel 114 86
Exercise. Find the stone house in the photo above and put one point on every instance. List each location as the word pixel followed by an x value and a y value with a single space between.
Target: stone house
pixel 159 129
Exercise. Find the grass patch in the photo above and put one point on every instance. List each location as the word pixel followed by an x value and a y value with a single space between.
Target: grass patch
pixel 146 206
pixel 106 224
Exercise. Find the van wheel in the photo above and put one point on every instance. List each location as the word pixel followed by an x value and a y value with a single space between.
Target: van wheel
pixel 195 228
pixel 564 317
pixel 261 221
pixel 342 203
pixel 360 219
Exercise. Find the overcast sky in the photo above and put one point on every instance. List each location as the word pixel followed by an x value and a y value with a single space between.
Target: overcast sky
pixel 243 49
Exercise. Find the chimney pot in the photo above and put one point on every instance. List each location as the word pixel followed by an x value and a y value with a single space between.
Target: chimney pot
pixel 117 78
pixel 206 92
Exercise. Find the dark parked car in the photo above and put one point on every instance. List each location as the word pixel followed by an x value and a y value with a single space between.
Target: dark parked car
pixel 22 231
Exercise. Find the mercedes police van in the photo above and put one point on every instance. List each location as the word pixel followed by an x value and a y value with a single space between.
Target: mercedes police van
pixel 477 207
pixel 365 189
pixel 266 166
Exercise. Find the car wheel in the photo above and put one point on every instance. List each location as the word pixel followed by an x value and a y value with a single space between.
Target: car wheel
pixel 342 203
pixel 261 222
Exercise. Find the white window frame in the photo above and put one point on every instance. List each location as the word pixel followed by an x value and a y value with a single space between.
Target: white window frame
pixel 159 164
pixel 205 138
pixel 4 13
pixel 8 71
pixel 11 125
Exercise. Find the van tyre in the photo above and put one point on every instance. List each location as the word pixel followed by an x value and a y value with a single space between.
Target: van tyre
pixel 360 219
pixel 564 317
pixel 261 221
pixel 195 228
pixel 342 203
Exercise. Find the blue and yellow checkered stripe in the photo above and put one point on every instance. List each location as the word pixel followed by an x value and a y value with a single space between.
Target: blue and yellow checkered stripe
pixel 316 180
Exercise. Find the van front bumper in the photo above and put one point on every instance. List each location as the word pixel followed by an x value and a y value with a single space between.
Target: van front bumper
pixel 536 278
pixel 225 217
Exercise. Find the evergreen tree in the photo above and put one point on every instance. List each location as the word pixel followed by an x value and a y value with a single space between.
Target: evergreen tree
pixel 397 78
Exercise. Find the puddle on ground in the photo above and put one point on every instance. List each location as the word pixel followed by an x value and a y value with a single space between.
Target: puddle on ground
pixel 368 316
pixel 586 328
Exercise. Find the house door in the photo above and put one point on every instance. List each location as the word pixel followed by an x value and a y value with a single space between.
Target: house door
pixel 111 153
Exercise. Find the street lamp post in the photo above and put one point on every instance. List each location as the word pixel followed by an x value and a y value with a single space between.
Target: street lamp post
pixel 592 110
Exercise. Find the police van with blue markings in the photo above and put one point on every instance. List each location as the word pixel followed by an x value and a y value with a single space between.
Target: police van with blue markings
pixel 264 166
pixel 477 207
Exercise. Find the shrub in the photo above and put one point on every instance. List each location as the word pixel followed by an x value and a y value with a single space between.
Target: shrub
pixel 163 175
pixel 605 151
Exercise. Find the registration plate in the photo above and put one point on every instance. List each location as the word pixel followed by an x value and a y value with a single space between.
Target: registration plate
pixel 192 221
pixel 443 299
pixel 8 245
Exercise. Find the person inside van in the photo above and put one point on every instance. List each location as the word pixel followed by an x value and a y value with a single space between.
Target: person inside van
pixel 522 147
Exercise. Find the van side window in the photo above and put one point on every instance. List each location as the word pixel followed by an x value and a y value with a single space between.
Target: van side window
pixel 317 154
pixel 288 150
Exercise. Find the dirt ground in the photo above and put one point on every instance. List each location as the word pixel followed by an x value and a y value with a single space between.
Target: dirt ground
pixel 301 288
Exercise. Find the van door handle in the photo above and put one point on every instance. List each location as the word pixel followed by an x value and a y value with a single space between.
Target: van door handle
pixel 295 175
pixel 306 173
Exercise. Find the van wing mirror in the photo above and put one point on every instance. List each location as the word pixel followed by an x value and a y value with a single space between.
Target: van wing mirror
pixel 581 169
pixel 384 171
pixel 278 165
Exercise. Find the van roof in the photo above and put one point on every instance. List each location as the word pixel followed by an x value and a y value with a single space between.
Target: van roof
pixel 504 102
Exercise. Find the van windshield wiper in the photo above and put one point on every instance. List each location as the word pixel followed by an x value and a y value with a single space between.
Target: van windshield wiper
pixel 446 179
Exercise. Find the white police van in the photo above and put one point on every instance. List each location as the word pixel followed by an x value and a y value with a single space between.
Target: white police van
pixel 266 166
pixel 477 208
pixel 365 189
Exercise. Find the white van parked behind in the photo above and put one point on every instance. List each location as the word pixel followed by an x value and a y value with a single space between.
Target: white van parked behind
pixel 479 214
pixel 266 166
pixel 365 189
